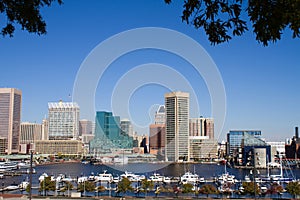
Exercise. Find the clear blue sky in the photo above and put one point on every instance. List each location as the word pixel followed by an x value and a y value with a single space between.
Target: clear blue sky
pixel 262 83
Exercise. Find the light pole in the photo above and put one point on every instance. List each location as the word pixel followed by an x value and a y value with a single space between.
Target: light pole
pixel 30 175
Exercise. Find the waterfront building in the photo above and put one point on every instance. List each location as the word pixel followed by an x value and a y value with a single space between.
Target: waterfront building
pixel 177 126
pixel 201 127
pixel 160 115
pixel 63 120
pixel 65 147
pixel 157 138
pixel 126 127
pixel 108 134
pixel 203 148
pixel 234 140
pixel 10 119
pixel 255 152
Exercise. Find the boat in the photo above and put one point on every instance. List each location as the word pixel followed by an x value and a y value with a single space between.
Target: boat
pixel 44 175
pixel 131 176
pixel 11 187
pixel 156 177
pixel 7 166
pixel 226 178
pixel 167 180
pixel 23 185
pixel 82 179
pixel 24 165
pixel 104 177
pixel 189 177
pixel 202 180
pixel 247 179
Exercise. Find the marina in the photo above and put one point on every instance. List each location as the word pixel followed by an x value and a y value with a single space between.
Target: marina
pixel 174 175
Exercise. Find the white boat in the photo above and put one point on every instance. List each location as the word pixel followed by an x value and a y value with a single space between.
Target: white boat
pixel 82 179
pixel 226 178
pixel 11 187
pixel 167 180
pixel 156 177
pixel 23 185
pixel 131 176
pixel 104 177
pixel 189 177
pixel 7 166
pixel 116 179
pixel 202 180
pixel 247 179
pixel 24 165
pixel 44 175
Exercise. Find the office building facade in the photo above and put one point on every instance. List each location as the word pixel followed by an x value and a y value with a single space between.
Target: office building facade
pixel 63 120
pixel 235 138
pixel 201 127
pixel 126 127
pixel 30 132
pixel 157 138
pixel 177 126
pixel 10 119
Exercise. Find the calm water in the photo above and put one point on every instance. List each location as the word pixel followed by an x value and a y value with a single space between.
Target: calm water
pixel 174 170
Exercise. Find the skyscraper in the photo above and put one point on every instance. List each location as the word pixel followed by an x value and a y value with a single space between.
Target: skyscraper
pixel 10 119
pixel 177 126
pixel 160 115
pixel 201 127
pixel 63 120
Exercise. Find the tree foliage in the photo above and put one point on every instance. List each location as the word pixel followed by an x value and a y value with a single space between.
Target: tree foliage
pixel 25 13
pixel 187 188
pixel 124 185
pixel 293 188
pixel 47 185
pixel 222 19
pixel 208 189
pixel 250 188
pixel 86 186
pixel 146 185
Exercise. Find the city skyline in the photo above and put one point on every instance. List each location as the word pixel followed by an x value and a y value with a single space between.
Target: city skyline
pixel 260 82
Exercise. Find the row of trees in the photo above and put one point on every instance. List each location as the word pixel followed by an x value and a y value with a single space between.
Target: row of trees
pixel 125 185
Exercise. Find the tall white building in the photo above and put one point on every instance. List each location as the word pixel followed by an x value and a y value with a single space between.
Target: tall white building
pixel 10 119
pixel 63 120
pixel 177 126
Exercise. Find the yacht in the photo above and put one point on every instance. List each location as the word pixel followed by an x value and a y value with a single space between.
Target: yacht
pixel 7 166
pixel 131 176
pixel 24 165
pixel 167 180
pixel 104 177
pixel 226 178
pixel 189 177
pixel 156 178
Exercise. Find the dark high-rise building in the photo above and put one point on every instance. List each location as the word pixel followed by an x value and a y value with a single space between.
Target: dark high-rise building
pixel 10 119
pixel 157 138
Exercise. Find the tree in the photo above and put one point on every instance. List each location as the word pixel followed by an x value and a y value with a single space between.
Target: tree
pixel 47 185
pixel 86 186
pixel 187 188
pixel 249 188
pixel 146 185
pixel 67 187
pixel 222 19
pixel 124 185
pixel 208 189
pixel 25 13
pixel 293 188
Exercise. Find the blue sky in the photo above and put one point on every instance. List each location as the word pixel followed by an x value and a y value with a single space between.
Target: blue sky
pixel 261 83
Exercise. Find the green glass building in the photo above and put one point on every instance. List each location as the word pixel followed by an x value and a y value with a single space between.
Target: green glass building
pixel 108 134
